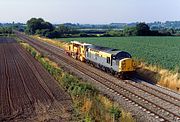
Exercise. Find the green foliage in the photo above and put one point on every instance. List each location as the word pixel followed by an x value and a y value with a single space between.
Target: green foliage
pixel 38 24
pixel 77 88
pixel 88 118
pixel 5 31
pixel 56 72
pixel 142 29
pixel 130 31
pixel 162 51
pixel 64 29
pixel 115 33
pixel 83 94
pixel 33 53
pixel 46 29
pixel 68 80
pixel 115 112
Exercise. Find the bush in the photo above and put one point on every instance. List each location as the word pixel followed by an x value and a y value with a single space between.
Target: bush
pixel 33 53
pixel 85 97
pixel 5 30
pixel 116 113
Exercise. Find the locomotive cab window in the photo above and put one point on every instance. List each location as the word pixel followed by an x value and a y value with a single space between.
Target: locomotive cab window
pixel 108 60
pixel 122 55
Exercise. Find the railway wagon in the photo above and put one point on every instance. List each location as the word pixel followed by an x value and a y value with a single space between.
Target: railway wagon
pixel 110 60
pixel 77 50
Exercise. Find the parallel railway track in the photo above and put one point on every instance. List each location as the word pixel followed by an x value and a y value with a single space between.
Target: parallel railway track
pixel 139 95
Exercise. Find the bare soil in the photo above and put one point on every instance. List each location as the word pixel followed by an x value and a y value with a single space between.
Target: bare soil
pixel 27 91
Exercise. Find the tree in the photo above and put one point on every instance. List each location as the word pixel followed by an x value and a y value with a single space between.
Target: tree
pixel 53 34
pixel 142 29
pixel 64 29
pixel 5 30
pixel 35 24
pixel 130 31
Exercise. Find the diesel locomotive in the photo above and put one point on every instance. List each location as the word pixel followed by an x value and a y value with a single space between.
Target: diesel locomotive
pixel 110 60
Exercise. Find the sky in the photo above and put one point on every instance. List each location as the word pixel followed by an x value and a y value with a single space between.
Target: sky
pixel 90 11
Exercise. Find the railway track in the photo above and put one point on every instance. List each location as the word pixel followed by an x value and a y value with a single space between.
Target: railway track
pixel 151 101
pixel 166 97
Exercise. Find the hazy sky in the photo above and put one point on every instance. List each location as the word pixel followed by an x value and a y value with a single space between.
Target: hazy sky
pixel 90 11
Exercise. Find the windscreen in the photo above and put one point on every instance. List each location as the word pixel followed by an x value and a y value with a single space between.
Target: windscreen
pixel 122 55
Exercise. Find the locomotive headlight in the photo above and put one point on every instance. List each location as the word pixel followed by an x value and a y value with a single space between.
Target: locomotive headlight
pixel 123 64
pixel 134 63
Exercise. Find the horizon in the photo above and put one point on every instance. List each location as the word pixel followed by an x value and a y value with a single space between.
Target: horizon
pixel 90 12
pixel 95 23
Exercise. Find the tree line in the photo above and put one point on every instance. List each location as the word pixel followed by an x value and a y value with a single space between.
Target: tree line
pixel 141 29
pixel 46 29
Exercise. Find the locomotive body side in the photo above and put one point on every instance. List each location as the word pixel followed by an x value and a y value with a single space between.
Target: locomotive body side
pixel 98 57
pixel 111 60
pixel 108 59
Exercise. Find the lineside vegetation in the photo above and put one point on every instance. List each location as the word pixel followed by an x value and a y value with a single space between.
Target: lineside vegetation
pixel 6 31
pixel 155 71
pixel 89 104
pixel 159 56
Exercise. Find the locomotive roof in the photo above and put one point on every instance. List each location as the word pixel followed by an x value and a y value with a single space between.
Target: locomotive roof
pixel 105 49
pixel 79 43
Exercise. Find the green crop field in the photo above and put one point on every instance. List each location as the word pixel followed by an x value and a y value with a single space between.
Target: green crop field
pixel 161 51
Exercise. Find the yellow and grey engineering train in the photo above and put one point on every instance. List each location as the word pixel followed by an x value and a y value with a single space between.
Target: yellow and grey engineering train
pixel 110 60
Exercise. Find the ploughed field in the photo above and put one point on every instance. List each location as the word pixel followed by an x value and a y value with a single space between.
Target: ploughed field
pixel 27 91
pixel 161 51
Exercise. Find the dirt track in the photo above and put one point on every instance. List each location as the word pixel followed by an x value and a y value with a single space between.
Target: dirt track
pixel 27 91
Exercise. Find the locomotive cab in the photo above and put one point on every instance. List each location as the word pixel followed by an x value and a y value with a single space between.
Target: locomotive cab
pixel 127 65
pixel 125 62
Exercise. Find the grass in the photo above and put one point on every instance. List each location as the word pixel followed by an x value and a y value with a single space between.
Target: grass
pixel 163 77
pixel 89 104
pixel 159 56
pixel 160 51
pixel 153 67
pixel 157 69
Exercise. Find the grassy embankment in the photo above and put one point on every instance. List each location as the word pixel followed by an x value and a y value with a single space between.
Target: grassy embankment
pixel 89 104
pixel 158 56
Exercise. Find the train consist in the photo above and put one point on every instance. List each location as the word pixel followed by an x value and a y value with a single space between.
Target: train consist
pixel 110 60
